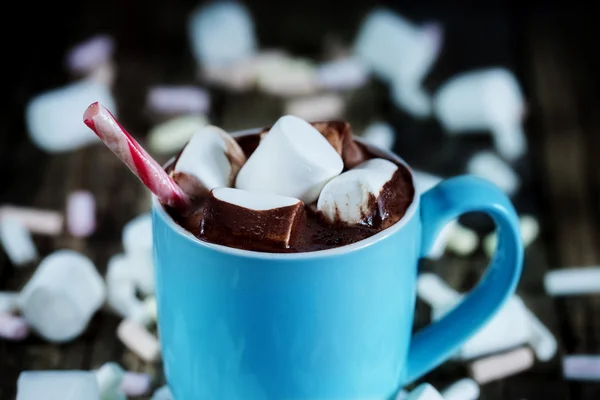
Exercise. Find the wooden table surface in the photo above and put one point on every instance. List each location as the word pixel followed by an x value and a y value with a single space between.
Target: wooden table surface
pixel 553 59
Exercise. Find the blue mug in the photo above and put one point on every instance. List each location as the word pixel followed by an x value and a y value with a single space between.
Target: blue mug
pixel 331 324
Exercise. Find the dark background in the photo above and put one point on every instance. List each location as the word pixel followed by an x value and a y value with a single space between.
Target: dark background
pixel 552 49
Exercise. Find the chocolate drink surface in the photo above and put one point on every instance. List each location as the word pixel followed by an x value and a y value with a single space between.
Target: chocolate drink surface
pixel 297 226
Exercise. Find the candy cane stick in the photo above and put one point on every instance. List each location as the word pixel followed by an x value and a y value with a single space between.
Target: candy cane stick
pixel 116 138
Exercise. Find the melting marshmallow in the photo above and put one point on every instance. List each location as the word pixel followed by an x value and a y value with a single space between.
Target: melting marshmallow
pixel 54 118
pixel 424 392
pixel 13 327
pixel 62 296
pixel 581 367
pixel 502 365
pixel 317 108
pixel 17 241
pixel 380 135
pixel 43 222
pixel 109 377
pixel 8 301
pixel 529 228
pixel 212 158
pixel 81 213
pixel 139 340
pixel 486 100
pixel 352 196
pixel 488 166
pixel 464 389
pixel 572 281
pixel 178 100
pixel 280 163
pixel 170 136
pixel 238 216
pixel 137 242
pixel 57 385
pixel 348 73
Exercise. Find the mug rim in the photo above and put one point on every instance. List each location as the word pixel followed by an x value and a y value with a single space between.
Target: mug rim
pixel 160 211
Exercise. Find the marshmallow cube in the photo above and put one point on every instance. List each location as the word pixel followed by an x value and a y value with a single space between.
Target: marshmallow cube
pixel 13 327
pixel 89 55
pixel 424 181
pixel 8 301
pixel 57 385
pixel 62 296
pixel 17 241
pixel 488 166
pixel 581 367
pixel 139 340
pixel 317 108
pixel 169 137
pixel 136 383
pixel 137 242
pixel 178 100
pixel 286 76
pixel 342 74
pixel 293 159
pixel 109 377
pixel 462 240
pixel 380 135
pixel 464 389
pixel 54 118
pixel 502 365
pixel 43 222
pixel 572 281
pixel 529 228
pixel 81 213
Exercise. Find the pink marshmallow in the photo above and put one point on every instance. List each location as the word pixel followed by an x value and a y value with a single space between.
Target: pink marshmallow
pixel 81 213
pixel 136 383
pixel 13 327
pixel 178 100
pixel 90 54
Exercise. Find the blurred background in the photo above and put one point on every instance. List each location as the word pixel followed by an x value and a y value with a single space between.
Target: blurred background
pixel 549 52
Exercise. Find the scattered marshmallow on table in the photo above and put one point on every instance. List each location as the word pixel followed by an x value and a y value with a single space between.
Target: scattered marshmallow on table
pixel 57 385
pixel 8 301
pixel 13 327
pixel 109 377
pixel 461 240
pixel 87 56
pixel 17 241
pixel 317 108
pixel 62 295
pixel 572 281
pixel 81 213
pixel 464 389
pixel 279 163
pixel 529 228
pixel 287 76
pixel 581 367
pixel 162 393
pixel 43 222
pixel 170 136
pixel 348 73
pixel 139 340
pixel 54 117
pixel 137 243
pixel 239 216
pixel 212 158
pixel 136 383
pixel 502 365
pixel 380 135
pixel 178 100
pixel 221 33
pixel 424 392
pixel 347 196
pixel 489 166
pixel 487 100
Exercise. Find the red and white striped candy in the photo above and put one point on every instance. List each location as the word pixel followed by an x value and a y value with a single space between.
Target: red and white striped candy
pixel 116 138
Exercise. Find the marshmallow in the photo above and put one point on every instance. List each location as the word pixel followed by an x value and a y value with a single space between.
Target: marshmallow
pixel 81 213
pixel 287 76
pixel 348 73
pixel 137 242
pixel 464 389
pixel 104 74
pixel 502 365
pixel 87 56
pixel 581 367
pixel 234 217
pixel 293 160
pixel 42 222
pixel 121 290
pixel 13 327
pixel 57 385
pixel 136 383
pixel 17 241
pixel 461 240
pixel 8 301
pixel 485 100
pixel 221 33
pixel 572 281
pixel 139 340
pixel 348 198
pixel 380 135
pixel 424 392
pixel 54 118
pixel 170 136
pixel 489 166
pixel 413 100
pixel 62 296
pixel 424 181
pixel 317 108
pixel 178 100
pixel 339 135
pixel 162 393
pixel 151 307
pixel 530 230
pixel 211 159
pixel 401 395
pixel 109 377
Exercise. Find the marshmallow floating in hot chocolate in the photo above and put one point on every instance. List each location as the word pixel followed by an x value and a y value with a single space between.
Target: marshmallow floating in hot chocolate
pixel 211 159
pixel 293 159
pixel 234 216
pixel 354 197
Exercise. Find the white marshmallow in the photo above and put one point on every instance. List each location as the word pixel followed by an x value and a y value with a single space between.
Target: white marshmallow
pixel 81 213
pixel 317 108
pixel 441 242
pixel 62 296
pixel 54 118
pixel 286 76
pixel 413 100
pixel 162 393
pixel 488 166
pixel 461 240
pixel 541 340
pixel 529 228
pixel 178 100
pixel 424 392
pixel 380 135
pixel 88 55
pixel 464 389
pixel 348 73
pixel 581 367
pixel 151 307
pixel 121 290
pixel 13 327
pixel 57 385
pixel 42 222
pixel 293 159
pixel 212 157
pixel 502 365
pixel 8 301
pixel 137 242
pixel 485 100
pixel 109 377
pixel 17 241
pixel 572 281
pixel 170 136
pixel 139 340
pixel 136 383
pixel 347 196
pixel 221 33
